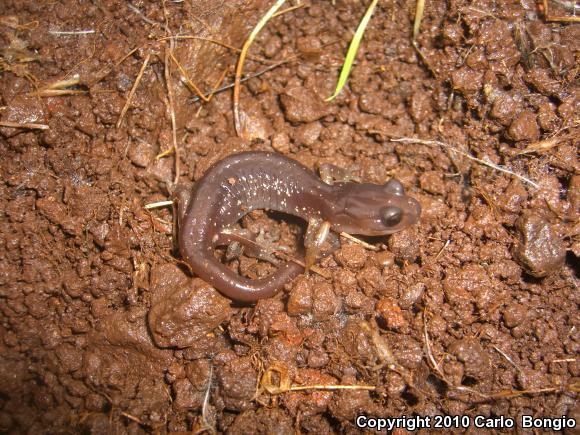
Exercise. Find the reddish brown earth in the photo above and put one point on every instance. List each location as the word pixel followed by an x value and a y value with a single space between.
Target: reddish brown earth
pixel 472 311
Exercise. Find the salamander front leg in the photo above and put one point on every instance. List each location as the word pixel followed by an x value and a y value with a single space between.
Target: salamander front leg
pixel 318 241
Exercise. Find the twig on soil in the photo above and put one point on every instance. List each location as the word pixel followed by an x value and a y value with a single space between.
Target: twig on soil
pixel 137 11
pixel 246 78
pixel 169 53
pixel 12 22
pixel 104 72
pixel 290 9
pixel 169 84
pixel 382 348
pixel 285 384
pixel 487 198
pixel 469 156
pixel 359 241
pixel 215 87
pixel 563 360
pixel 217 42
pixel 437 369
pixel 550 142
pixel 241 60
pixel 505 394
pixel 506 356
pixel 540 146
pixel 557 18
pixel 133 89
pixel 62 84
pixel 206 425
pixel 71 32
pixel 428 350
pixel 332 387
pixel 58 88
pixel 131 417
pixel 447 243
pixel 57 92
pixel 185 79
pixel 158 204
pixel 26 125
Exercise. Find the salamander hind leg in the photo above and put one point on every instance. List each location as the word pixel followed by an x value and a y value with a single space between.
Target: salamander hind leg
pixel 242 241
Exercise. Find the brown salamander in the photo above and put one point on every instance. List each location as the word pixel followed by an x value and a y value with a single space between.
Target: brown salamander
pixel 248 181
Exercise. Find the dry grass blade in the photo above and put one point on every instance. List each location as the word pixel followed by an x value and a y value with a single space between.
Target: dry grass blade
pixel 66 83
pixel 419 11
pixel 245 79
pixel 332 387
pixel 242 58
pixel 551 142
pixel 159 204
pixel 133 89
pixel 169 84
pixel 469 156
pixel 276 380
pixel 58 92
pixel 508 359
pixel 359 241
pixel 205 424
pixel 540 146
pixel 188 82
pixel 218 42
pixel 290 9
pixel 71 32
pixel 59 88
pixel 217 84
pixel 418 18
pixel 557 18
pixel 352 51
pixel 382 348
pixel 26 125
pixel 428 349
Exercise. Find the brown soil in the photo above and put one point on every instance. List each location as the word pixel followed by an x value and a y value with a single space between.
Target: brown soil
pixel 473 311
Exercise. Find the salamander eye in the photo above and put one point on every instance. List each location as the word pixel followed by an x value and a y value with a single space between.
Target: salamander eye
pixel 391 216
pixel 395 187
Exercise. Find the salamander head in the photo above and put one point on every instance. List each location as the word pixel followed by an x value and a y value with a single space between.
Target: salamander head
pixel 372 209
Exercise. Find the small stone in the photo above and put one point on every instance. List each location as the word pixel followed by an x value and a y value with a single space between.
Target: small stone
pixel 514 314
pixel 524 127
pixel 300 300
pixel 504 108
pixel 187 314
pixel 390 312
pixel 404 244
pixel 281 142
pixel 325 303
pixel 351 256
pixel 539 249
pixel 432 182
pixel 141 154
pixel 303 105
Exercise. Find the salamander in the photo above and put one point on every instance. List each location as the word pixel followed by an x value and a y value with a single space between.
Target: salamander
pixel 254 180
